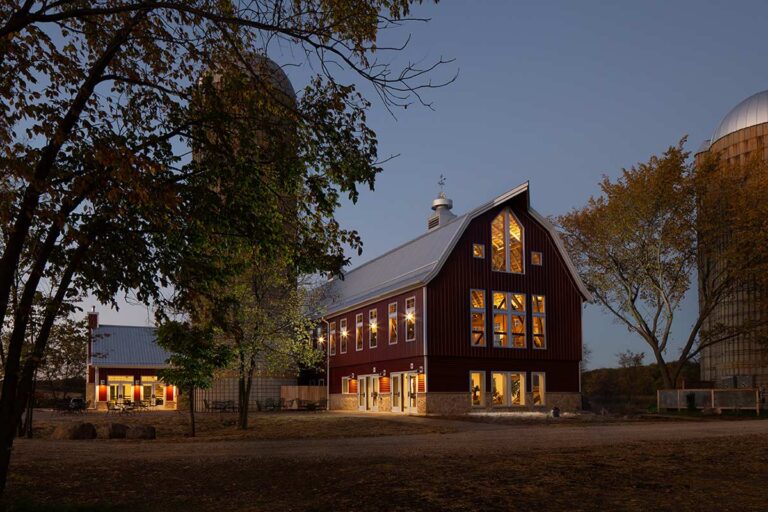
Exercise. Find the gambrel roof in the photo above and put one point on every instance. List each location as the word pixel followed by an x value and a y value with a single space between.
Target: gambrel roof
pixel 415 263
pixel 127 346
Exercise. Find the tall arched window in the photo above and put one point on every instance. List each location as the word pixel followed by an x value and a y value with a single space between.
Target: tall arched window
pixel 506 243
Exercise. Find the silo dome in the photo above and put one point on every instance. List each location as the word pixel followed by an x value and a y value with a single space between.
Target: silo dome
pixel 750 112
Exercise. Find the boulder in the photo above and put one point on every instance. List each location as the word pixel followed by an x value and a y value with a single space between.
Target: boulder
pixel 79 430
pixel 141 432
pixel 117 431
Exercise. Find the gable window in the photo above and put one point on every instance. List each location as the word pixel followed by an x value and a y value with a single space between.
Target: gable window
pixel 332 338
pixel 372 329
pixel 478 251
pixel 507 243
pixel 344 335
pixel 537 258
pixel 392 318
pixel 410 319
pixel 538 388
pixel 477 388
pixel 477 317
pixel 508 320
pixel 539 321
pixel 359 332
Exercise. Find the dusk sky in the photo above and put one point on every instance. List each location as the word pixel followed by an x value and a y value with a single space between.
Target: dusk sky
pixel 555 93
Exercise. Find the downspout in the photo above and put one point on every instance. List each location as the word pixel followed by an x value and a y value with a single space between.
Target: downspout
pixel 327 363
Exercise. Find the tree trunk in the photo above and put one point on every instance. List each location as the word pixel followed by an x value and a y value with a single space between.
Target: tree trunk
pixel 245 386
pixel 192 410
pixel 666 375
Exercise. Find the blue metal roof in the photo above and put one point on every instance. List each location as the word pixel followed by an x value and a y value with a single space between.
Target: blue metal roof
pixel 122 345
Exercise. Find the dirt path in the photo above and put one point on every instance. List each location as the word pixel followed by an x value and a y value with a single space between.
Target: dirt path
pixel 469 437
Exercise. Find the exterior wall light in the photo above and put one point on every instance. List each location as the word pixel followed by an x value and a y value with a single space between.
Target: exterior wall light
pixel 351 375
pixel 421 369
pixel 411 366
pixel 374 369
pixel 344 333
pixel 383 373
pixel 321 340
pixel 409 317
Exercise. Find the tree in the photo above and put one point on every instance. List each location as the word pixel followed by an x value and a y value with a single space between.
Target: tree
pixel 65 355
pixel 266 318
pixel 195 356
pixel 638 247
pixel 98 193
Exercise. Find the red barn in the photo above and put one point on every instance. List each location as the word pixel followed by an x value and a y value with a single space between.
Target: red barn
pixel 481 312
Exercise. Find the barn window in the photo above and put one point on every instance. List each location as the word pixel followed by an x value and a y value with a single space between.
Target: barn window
pixel 372 329
pixel 477 388
pixel 359 332
pixel 344 335
pixel 332 338
pixel 507 243
pixel 499 388
pixel 517 388
pixel 392 323
pixel 539 321
pixel 477 317
pixel 537 258
pixel 538 388
pixel 345 385
pixel 478 251
pixel 410 319
pixel 508 320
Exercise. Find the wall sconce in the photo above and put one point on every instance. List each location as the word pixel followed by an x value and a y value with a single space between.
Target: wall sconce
pixel 374 369
pixel 421 369
pixel 344 333
pixel 411 366
pixel 321 340
pixel 101 382
pixel 383 373
pixel 351 375
pixel 137 382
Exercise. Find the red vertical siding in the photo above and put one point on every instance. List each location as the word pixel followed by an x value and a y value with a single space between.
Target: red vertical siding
pixel 396 357
pixel 449 349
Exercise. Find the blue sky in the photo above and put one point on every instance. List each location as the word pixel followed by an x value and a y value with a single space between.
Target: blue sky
pixel 558 93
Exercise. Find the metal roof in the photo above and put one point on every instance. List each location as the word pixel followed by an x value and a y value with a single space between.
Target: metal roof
pixel 415 263
pixel 750 112
pixel 122 345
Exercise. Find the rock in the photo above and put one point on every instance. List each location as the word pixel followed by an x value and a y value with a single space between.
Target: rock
pixel 141 432
pixel 117 431
pixel 79 430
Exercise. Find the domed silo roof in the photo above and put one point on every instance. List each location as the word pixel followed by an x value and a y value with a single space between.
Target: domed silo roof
pixel 269 69
pixel 750 112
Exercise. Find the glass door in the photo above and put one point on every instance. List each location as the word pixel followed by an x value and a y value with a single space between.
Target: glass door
pixel 410 398
pixel 361 393
pixel 397 395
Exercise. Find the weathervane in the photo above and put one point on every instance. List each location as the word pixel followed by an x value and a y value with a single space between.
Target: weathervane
pixel 441 182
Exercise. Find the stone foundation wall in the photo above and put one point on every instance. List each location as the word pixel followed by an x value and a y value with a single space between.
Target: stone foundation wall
pixel 449 404
pixel 342 402
pixel 90 395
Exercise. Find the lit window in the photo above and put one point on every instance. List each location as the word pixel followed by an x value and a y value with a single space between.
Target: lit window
pixel 372 329
pixel 410 319
pixel 539 321
pixel 517 389
pixel 477 388
pixel 499 388
pixel 344 335
pixel 332 338
pixel 508 320
pixel 345 385
pixel 359 332
pixel 538 388
pixel 392 323
pixel 506 243
pixel 537 258
pixel 478 251
pixel 477 317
